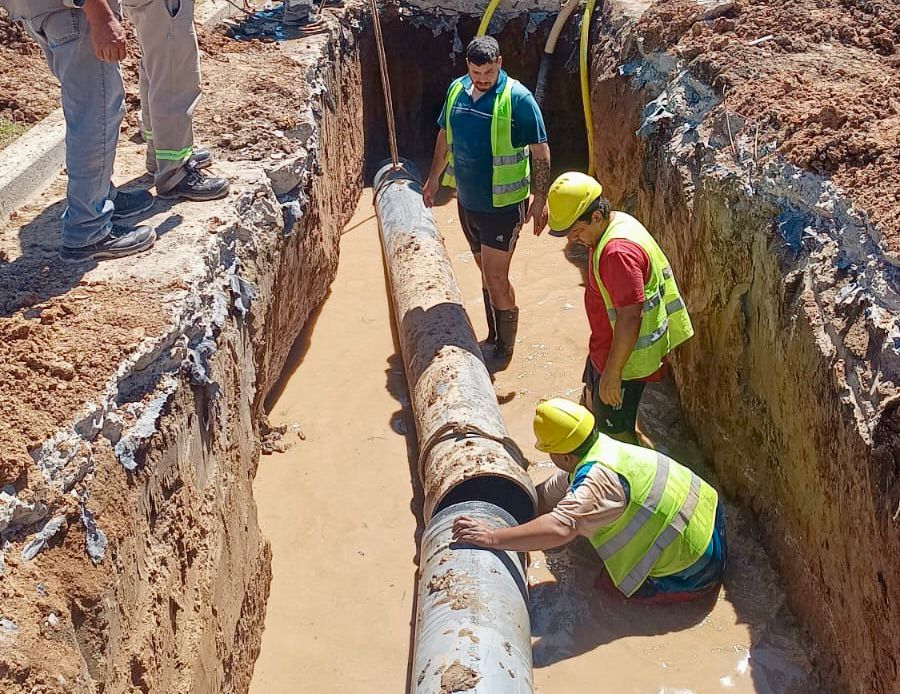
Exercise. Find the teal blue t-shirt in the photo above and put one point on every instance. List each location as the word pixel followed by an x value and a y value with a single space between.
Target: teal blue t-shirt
pixel 471 122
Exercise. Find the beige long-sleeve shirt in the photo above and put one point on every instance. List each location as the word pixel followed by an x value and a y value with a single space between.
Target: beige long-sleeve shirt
pixel 596 501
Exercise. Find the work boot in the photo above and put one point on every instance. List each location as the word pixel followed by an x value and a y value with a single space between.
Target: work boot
pixel 491 318
pixel 197 187
pixel 130 203
pixel 121 241
pixel 507 327
pixel 200 159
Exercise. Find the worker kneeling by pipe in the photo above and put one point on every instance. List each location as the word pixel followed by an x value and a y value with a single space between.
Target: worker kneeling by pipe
pixel 657 526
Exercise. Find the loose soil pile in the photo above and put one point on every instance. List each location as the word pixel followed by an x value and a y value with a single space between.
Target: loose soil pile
pixel 825 87
pixel 28 92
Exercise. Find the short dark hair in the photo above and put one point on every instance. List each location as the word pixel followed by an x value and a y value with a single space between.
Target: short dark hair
pixel 600 205
pixel 586 445
pixel 483 50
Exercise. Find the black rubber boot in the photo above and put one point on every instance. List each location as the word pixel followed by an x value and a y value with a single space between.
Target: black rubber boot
pixel 491 318
pixel 507 327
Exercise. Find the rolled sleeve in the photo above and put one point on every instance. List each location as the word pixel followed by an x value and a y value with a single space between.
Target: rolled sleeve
pixel 551 491
pixel 594 503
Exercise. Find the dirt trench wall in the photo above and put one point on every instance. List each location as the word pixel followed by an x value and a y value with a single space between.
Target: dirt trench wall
pixel 790 381
pixel 307 260
pixel 190 598
pixel 176 601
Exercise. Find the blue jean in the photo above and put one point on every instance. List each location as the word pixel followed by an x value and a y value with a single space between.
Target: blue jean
pixel 702 575
pixel 93 101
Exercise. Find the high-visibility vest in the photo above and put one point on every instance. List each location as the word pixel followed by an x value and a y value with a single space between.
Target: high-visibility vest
pixel 668 522
pixel 511 175
pixel 665 322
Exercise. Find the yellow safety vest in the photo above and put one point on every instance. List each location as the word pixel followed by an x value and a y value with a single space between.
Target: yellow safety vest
pixel 668 522
pixel 511 175
pixel 665 322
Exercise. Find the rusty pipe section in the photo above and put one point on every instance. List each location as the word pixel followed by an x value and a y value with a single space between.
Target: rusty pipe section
pixel 472 626
pixel 449 385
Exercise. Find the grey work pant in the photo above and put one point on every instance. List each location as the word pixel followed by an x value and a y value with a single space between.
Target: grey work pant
pixel 169 82
pixel 93 102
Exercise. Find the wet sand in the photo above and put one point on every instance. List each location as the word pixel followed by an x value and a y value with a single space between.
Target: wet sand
pixel 340 508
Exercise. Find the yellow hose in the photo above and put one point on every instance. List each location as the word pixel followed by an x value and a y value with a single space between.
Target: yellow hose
pixel 486 18
pixel 585 89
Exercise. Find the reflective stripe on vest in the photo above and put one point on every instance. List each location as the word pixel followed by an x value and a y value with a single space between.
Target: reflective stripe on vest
pixel 665 322
pixel 510 175
pixel 639 573
pixel 624 536
pixel 669 519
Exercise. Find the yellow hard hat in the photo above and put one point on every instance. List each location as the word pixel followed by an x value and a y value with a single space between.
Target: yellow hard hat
pixel 569 197
pixel 561 426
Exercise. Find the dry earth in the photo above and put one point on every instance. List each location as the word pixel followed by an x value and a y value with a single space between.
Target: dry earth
pixel 825 88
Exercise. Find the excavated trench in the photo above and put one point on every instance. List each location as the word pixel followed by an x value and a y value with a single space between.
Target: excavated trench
pixel 807 475
pixel 423 56
pixel 778 437
pixel 766 427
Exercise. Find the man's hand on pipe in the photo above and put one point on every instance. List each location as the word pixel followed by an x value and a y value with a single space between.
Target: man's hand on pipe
pixel 473 532
pixel 429 190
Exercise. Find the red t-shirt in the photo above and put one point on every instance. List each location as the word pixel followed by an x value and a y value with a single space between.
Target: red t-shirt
pixel 624 270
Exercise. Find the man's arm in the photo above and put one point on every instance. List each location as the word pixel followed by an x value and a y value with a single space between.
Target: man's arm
pixel 625 334
pixel 438 164
pixel 544 532
pixel 107 34
pixel 540 185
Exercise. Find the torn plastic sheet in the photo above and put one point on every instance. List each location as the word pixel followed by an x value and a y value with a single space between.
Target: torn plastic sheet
pixel 15 513
pixel 51 527
pixel 293 212
pixel 95 539
pixel 535 19
pixel 655 113
pixel 197 362
pixel 146 424
pixel 242 291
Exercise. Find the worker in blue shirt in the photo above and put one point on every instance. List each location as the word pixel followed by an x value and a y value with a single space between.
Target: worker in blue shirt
pixel 492 147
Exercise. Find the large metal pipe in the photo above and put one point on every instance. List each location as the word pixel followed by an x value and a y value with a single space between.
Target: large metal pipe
pixel 472 627
pixel 449 385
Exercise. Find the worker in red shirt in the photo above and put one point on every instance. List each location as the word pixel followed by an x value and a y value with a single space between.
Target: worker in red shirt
pixel 635 311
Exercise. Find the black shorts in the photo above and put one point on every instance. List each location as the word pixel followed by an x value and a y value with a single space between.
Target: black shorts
pixel 498 229
pixel 610 420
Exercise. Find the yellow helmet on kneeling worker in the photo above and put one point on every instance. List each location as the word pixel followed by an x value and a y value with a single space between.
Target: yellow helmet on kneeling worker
pixel 561 426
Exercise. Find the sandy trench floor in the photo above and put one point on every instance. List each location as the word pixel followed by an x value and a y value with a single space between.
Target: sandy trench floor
pixel 341 508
